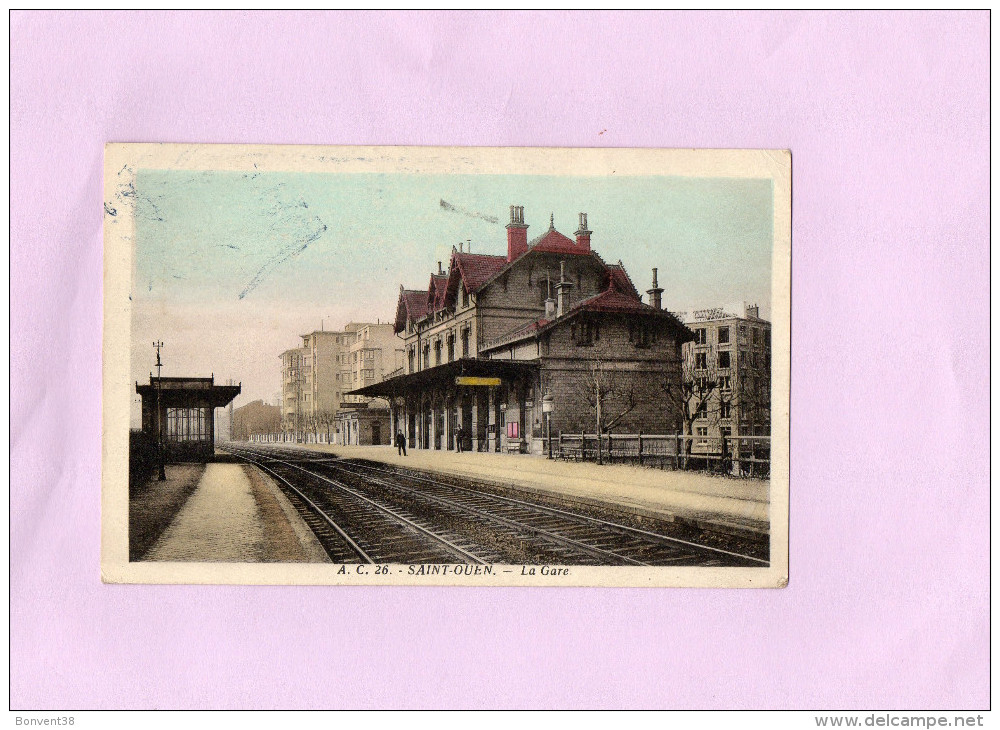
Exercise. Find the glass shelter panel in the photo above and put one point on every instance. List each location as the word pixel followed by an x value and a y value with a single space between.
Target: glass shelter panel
pixel 188 424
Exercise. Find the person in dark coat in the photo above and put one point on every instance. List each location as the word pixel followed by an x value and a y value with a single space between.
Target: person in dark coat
pixel 458 439
pixel 400 443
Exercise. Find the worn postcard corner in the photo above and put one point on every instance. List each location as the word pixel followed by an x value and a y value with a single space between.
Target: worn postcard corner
pixel 446 366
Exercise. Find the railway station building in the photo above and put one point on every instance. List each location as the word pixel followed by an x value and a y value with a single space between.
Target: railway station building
pixel 495 344
pixel 181 412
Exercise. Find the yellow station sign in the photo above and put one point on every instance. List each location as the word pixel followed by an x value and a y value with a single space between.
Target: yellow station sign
pixel 471 380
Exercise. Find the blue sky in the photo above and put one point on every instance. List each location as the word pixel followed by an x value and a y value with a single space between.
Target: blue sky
pixel 231 267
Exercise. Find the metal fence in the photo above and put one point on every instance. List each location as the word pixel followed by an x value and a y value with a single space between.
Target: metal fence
pixel 746 456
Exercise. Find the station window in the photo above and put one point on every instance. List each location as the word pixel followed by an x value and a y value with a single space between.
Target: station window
pixel 725 409
pixel 586 332
pixel 700 336
pixel 700 360
pixel 188 424
pixel 723 335
pixel 641 335
pixel 724 360
pixel 465 342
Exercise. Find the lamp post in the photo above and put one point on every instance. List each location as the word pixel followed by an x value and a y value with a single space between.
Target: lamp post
pixel 162 472
pixel 503 411
pixel 547 406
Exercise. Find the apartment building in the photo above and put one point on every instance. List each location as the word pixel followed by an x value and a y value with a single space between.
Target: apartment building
pixel 311 385
pixel 374 353
pixel 727 372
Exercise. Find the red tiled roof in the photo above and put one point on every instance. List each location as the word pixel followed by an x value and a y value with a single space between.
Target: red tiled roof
pixel 475 269
pixel 412 306
pixel 620 280
pixel 555 242
pixel 436 291
pixel 612 300
pixel 530 327
pixel 517 333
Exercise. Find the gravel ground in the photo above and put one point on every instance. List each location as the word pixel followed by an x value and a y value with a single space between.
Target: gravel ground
pixel 287 538
pixel 236 516
pixel 218 524
pixel 156 505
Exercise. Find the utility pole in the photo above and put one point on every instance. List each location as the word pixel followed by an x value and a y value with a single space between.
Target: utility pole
pixel 159 430
pixel 230 382
pixel 597 383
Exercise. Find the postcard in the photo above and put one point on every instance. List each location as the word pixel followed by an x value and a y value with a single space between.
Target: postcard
pixel 446 366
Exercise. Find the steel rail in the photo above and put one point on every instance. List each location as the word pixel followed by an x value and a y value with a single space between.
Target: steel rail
pixel 434 536
pixel 347 538
pixel 572 515
pixel 561 539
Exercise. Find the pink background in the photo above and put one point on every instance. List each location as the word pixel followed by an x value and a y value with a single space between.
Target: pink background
pixel 887 117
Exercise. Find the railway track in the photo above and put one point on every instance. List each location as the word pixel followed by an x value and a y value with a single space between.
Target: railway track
pixel 352 527
pixel 387 514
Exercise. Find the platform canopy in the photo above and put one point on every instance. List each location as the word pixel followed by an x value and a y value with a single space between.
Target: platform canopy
pixel 188 392
pixel 446 374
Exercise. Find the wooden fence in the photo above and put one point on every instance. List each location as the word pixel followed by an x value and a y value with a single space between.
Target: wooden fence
pixel 748 456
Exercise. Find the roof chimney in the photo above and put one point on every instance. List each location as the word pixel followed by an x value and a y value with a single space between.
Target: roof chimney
pixel 440 270
pixel 582 234
pixel 655 292
pixel 562 291
pixel 461 244
pixel 517 233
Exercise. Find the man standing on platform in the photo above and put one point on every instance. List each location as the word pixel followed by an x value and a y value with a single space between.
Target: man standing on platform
pixel 400 443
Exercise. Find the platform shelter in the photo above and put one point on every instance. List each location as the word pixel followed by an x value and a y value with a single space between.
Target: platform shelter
pixel 181 411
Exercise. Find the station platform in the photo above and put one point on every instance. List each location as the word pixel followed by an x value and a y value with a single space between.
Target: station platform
pixel 235 514
pixel 736 506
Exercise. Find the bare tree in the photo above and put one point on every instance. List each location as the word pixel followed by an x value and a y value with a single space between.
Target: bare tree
pixel 752 405
pixel 611 394
pixel 693 397
pixel 326 419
